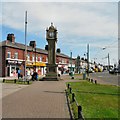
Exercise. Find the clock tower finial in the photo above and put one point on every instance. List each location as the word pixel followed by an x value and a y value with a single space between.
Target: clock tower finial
pixel 51 23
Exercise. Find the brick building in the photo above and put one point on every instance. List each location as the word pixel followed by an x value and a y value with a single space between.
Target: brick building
pixel 12 58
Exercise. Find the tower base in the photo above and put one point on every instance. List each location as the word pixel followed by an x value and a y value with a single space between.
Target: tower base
pixel 51 76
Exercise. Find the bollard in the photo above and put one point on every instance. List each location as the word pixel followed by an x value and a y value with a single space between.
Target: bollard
pixel 68 86
pixel 91 80
pixel 3 80
pixel 72 77
pixel 28 82
pixel 14 80
pixel 95 81
pixel 79 112
pixel 70 90
pixel 73 97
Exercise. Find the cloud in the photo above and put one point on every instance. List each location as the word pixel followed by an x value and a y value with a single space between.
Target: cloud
pixel 78 23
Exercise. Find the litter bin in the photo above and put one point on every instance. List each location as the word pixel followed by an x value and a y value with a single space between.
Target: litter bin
pixel 72 75
pixel 84 76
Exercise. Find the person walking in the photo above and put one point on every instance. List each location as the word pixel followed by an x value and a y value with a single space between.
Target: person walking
pixel 18 73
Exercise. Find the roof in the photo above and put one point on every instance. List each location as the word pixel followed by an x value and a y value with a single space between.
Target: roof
pixel 29 48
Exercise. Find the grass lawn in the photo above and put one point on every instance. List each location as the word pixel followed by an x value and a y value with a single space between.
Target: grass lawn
pixel 97 101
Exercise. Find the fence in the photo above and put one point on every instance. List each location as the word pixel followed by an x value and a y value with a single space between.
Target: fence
pixel 73 100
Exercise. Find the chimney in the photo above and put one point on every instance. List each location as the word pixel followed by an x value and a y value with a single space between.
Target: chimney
pixel 46 47
pixel 32 44
pixel 58 50
pixel 11 38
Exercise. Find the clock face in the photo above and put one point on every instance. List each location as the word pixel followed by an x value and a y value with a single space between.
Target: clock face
pixel 51 34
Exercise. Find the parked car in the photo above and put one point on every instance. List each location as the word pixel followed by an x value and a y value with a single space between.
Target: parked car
pixel 114 71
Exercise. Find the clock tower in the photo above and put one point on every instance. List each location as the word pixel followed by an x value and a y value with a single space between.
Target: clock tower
pixel 51 36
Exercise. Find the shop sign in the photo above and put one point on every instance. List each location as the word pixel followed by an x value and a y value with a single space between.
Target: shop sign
pixel 13 62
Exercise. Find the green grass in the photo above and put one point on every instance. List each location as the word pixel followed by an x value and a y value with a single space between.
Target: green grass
pixel 17 82
pixel 97 101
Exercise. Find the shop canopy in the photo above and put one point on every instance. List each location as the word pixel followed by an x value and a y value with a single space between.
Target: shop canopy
pixel 38 64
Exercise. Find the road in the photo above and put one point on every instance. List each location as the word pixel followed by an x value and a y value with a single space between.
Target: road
pixel 106 78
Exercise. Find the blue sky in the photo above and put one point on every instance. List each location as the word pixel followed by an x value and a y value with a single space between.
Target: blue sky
pixel 78 24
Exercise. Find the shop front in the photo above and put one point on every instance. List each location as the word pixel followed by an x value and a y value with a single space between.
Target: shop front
pixel 12 67
pixel 39 67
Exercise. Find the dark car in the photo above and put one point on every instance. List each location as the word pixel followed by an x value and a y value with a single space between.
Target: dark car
pixel 114 71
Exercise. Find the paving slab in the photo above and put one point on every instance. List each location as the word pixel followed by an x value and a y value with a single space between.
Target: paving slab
pixel 42 99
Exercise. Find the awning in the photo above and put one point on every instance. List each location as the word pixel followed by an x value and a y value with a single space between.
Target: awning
pixel 38 64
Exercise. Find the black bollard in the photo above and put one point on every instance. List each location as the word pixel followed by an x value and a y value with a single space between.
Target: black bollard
pixel 91 80
pixel 73 97
pixel 70 90
pixel 3 80
pixel 14 80
pixel 72 77
pixel 68 86
pixel 79 112
pixel 28 82
pixel 95 81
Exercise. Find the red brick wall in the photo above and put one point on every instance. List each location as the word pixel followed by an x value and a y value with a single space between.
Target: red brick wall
pixel 13 50
pixel 21 56
pixel 3 62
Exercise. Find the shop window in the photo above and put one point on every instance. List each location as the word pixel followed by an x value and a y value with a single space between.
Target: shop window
pixel 16 55
pixel 38 58
pixel 8 54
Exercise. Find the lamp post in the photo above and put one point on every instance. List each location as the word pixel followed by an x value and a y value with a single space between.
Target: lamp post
pixel 108 56
pixel 88 59
pixel 25 43
pixel 71 61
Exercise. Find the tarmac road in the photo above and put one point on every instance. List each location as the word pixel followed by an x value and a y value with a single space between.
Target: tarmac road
pixel 106 78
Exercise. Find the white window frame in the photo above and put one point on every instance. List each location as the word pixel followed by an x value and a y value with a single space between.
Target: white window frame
pixel 33 58
pixel 9 54
pixel 16 54
pixel 28 57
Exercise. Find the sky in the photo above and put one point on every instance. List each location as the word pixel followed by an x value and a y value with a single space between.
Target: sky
pixel 78 23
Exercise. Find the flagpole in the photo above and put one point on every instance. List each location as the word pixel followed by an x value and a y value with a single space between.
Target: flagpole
pixel 25 41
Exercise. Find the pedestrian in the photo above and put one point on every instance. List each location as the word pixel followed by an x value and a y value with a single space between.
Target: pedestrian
pixel 19 73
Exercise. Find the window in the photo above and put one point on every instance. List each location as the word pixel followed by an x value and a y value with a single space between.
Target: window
pixel 33 58
pixel 63 61
pixel 8 54
pixel 46 59
pixel 36 58
pixel 40 58
pixel 16 55
pixel 28 57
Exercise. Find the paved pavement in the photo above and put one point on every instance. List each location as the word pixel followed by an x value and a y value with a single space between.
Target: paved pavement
pixel 42 99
